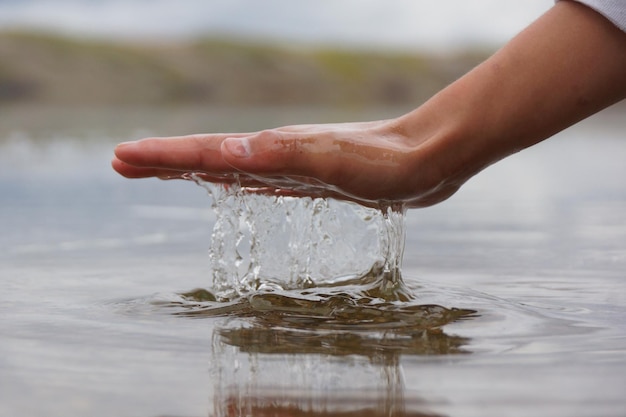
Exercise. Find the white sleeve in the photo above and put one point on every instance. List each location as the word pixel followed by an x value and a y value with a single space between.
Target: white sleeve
pixel 614 10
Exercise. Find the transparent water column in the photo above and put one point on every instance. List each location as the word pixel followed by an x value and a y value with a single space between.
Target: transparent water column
pixel 262 242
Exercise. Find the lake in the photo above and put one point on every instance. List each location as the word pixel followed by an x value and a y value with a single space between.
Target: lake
pixel 518 284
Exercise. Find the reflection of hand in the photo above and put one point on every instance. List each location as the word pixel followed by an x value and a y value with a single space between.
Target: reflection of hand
pixel 546 79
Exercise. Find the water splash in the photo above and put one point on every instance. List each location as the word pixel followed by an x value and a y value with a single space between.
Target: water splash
pixel 266 242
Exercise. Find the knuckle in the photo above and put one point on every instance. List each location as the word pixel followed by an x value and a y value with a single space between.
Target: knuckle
pixel 269 136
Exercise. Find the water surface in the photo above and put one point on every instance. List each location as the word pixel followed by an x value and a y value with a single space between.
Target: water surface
pixel 519 289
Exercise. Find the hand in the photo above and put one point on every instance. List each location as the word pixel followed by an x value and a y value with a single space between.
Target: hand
pixel 373 162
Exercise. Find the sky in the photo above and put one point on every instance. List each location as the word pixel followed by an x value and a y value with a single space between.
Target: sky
pixel 402 24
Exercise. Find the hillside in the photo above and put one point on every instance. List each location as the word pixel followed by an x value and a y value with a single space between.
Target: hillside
pixel 51 69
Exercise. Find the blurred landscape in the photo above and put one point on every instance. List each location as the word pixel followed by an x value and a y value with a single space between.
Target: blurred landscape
pixel 52 69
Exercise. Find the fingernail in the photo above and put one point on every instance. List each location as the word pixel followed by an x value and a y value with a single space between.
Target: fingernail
pixel 124 145
pixel 238 147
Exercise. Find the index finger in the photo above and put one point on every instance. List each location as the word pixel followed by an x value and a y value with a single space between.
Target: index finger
pixel 181 153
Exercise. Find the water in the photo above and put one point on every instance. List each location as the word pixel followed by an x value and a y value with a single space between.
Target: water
pixel 517 284
pixel 267 242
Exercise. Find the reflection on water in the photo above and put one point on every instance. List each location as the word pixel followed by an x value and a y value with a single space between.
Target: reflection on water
pixel 261 368
pixel 368 404
pixel 378 347
pixel 284 353
pixel 268 407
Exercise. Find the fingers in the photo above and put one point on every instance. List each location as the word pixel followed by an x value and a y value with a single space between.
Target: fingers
pixel 266 156
pixel 131 171
pixel 185 153
pixel 267 185
pixel 269 153
pixel 346 161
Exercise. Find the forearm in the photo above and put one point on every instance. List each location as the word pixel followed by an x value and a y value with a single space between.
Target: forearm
pixel 567 65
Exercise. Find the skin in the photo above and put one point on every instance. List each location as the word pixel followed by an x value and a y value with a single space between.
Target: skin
pixel 566 66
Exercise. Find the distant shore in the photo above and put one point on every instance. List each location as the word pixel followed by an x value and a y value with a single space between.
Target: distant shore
pixel 42 68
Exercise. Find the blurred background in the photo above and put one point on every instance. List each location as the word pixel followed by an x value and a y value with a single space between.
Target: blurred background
pixel 395 23
pixel 61 57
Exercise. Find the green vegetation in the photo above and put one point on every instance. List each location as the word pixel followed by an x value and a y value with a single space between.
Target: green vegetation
pixel 52 69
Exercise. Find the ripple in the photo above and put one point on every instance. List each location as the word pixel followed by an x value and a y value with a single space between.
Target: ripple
pixel 336 321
